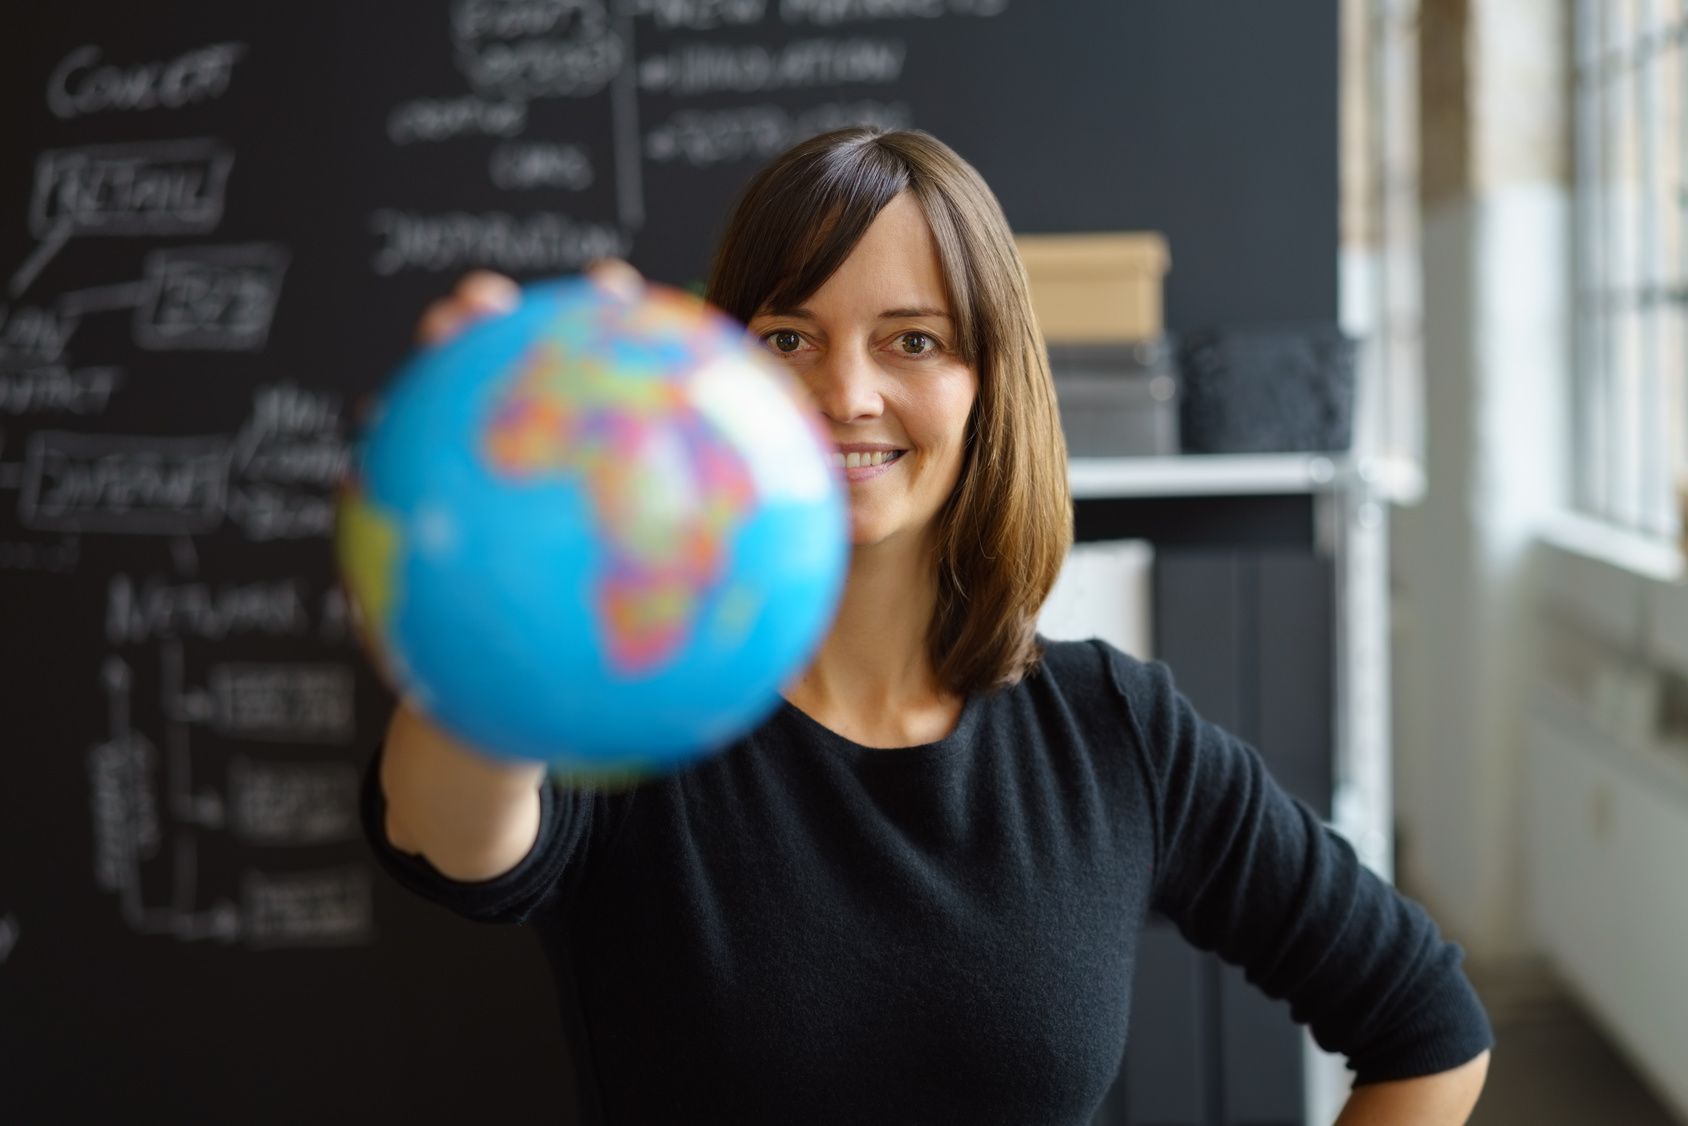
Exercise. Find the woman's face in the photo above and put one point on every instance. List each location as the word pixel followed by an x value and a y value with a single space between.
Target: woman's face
pixel 876 348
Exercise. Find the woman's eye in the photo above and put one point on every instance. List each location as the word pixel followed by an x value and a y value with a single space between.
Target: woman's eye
pixel 785 341
pixel 916 343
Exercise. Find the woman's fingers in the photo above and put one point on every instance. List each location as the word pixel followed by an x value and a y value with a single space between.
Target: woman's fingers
pixel 618 276
pixel 481 293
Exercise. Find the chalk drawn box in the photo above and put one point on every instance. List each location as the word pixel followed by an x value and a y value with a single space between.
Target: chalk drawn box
pixel 1116 400
pixel 218 298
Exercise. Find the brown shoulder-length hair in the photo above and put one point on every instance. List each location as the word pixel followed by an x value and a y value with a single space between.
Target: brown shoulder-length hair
pixel 1005 530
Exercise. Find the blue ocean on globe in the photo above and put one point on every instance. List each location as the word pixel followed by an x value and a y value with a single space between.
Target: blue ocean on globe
pixel 600 531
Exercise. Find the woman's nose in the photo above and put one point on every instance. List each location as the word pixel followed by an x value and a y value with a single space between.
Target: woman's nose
pixel 845 386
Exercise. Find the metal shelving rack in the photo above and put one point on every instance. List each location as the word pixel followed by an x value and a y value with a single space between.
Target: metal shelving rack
pixel 1351 498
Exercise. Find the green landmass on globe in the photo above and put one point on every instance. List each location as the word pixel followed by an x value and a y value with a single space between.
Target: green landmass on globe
pixel 370 545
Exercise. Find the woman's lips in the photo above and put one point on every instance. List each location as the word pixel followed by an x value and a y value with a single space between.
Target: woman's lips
pixel 864 465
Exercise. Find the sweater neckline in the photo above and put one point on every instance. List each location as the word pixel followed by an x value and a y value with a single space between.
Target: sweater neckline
pixel 960 736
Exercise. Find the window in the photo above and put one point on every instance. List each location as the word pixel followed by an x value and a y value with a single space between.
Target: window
pixel 1630 413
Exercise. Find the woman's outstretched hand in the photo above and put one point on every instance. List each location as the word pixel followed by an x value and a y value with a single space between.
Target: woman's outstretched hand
pixel 471 816
pixel 479 294
pixel 482 293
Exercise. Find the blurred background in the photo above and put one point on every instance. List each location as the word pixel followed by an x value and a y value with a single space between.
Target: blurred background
pixel 1367 320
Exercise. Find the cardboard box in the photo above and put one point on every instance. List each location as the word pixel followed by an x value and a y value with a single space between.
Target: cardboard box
pixel 1100 288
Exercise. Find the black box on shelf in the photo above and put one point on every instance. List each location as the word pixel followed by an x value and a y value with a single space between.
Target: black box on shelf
pixel 1260 389
pixel 1117 400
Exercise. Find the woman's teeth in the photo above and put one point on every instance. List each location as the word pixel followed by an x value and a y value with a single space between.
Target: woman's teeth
pixel 860 461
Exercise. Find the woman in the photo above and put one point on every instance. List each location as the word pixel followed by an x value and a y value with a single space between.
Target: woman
pixel 914 893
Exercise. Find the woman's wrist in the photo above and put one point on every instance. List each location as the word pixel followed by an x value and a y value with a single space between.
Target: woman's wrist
pixel 470 816
pixel 1443 1099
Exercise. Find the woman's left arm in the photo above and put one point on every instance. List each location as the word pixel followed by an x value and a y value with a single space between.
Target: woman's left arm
pixel 1247 872
pixel 1443 1099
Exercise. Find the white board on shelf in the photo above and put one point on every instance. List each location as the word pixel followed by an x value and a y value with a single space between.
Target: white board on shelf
pixel 1105 590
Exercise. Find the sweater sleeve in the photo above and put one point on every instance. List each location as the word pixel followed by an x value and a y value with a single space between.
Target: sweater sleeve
pixel 1252 874
pixel 566 818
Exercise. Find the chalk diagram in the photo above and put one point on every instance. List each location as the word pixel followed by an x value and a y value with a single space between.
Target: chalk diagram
pixel 274 478
pixel 210 798
pixel 513 54
pixel 218 782
pixel 149 812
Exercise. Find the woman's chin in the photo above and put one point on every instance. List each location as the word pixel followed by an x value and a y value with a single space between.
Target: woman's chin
pixel 870 530
pixel 866 530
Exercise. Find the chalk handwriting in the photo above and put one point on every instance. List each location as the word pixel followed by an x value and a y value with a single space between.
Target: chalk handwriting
pixel 705 137
pixel 828 12
pixel 700 15
pixel 704 68
pixel 126 820
pixel 293 803
pixel 288 702
pixel 535 48
pixel 285 412
pixel 544 240
pixel 287 459
pixel 529 164
pixel 79 86
pixel 122 483
pixel 32 332
pixel 218 298
pixel 156 609
pixel 316 459
pixel 56 389
pixel 267 513
pixel 440 119
pixel 145 188
pixel 10 931
pixel 473 21
pixel 323 907
pixel 26 555
pixel 125 808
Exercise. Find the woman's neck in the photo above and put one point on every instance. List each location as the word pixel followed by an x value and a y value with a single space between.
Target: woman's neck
pixel 873 681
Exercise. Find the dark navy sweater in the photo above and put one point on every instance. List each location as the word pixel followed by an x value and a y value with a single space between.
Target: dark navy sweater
pixel 803 929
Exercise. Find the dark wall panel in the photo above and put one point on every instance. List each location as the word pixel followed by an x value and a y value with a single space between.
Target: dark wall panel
pixel 1169 1075
pixel 1247 632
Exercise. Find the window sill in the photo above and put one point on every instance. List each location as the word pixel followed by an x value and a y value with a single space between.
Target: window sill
pixel 1646 556
pixel 1624 589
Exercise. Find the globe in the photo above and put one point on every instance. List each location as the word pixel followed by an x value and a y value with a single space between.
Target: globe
pixel 599 531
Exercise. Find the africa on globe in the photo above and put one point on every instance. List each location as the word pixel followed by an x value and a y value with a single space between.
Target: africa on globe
pixel 600 531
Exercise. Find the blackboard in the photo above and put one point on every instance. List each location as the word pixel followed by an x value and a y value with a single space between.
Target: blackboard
pixel 217 225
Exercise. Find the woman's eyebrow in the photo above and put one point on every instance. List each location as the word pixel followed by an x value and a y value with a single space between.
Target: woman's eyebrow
pixel 938 313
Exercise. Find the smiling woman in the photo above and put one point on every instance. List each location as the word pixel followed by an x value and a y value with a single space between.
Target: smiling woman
pixel 880 267
pixel 915 892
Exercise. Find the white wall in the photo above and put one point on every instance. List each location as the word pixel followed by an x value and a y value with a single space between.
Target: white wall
pixel 1497 349
pixel 1607 816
